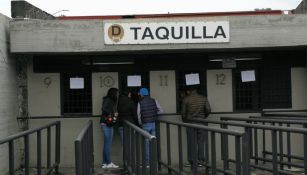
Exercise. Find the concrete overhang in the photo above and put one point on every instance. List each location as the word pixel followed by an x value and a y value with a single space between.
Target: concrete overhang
pixel 86 36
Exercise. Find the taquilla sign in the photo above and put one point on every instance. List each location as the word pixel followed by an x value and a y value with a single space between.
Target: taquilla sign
pixel 166 32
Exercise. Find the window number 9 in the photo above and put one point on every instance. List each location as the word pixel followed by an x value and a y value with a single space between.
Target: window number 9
pixel 220 79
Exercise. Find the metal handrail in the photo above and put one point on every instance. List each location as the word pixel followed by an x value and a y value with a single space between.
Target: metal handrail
pixel 269 120
pixel 134 149
pixel 84 150
pixel 241 148
pixel 274 129
pixel 25 135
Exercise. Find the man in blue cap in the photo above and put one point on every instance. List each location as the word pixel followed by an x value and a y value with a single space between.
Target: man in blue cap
pixel 147 110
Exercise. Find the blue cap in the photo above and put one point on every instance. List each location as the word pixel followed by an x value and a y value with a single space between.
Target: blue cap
pixel 144 91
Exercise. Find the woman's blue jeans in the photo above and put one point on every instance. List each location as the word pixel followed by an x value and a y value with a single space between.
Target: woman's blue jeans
pixel 107 144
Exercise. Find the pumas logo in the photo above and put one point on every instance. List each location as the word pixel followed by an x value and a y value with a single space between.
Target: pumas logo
pixel 116 32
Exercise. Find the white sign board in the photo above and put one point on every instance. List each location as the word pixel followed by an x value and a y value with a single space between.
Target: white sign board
pixel 166 32
pixel 192 79
pixel 134 81
pixel 76 83
pixel 248 76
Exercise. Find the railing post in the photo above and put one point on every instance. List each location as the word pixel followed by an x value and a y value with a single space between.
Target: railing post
pixel 213 154
pixel 92 146
pixel 225 154
pixel 274 152
pixel 39 153
pixel 158 144
pixel 289 146
pixel 281 148
pixel 27 158
pixel 195 150
pixel 11 157
pixel 133 165
pixel 180 149
pixel 153 156
pixel 57 146
pixel 238 154
pixel 305 151
pixel 256 144
pixel 124 146
pixel 143 140
pixel 137 145
pixel 169 155
pixel 263 144
pixel 245 154
pixel 78 158
pixel 48 148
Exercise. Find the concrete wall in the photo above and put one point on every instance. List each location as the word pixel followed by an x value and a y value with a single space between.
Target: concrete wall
pixel 87 36
pixel 8 95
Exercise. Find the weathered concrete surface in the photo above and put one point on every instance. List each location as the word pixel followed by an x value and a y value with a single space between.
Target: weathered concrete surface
pixel 8 94
pixel 23 9
pixel 56 36
pixel 302 8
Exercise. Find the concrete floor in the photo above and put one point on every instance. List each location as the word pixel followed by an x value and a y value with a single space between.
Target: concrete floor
pixel 120 171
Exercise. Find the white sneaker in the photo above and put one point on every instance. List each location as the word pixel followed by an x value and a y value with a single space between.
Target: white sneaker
pixel 112 165
pixel 104 166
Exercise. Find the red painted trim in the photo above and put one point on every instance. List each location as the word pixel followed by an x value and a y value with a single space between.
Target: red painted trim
pixel 175 15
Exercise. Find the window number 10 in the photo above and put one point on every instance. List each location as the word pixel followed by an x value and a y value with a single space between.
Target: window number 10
pixel 220 79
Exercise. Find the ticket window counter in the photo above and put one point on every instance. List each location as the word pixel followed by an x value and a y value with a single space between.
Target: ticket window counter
pixel 123 83
pixel 182 87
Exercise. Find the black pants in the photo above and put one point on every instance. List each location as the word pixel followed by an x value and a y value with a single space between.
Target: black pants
pixel 198 145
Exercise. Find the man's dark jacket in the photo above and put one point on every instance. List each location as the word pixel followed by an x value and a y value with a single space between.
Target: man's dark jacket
pixel 126 110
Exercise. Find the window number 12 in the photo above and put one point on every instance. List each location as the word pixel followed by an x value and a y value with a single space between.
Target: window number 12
pixel 220 79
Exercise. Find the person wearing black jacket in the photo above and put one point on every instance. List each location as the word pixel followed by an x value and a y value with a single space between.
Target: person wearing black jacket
pixel 126 110
pixel 108 109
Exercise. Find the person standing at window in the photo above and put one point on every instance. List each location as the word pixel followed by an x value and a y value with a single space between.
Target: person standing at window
pixel 109 108
pixel 126 110
pixel 195 106
pixel 147 110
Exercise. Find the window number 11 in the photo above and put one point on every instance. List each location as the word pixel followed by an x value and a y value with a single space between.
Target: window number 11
pixel 220 79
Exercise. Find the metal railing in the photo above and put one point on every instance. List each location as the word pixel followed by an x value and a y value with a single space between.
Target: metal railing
pixel 282 116
pixel 25 135
pixel 241 149
pixel 135 140
pixel 84 150
pixel 276 133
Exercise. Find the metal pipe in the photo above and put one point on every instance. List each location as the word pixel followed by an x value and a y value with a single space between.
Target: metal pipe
pixel 39 152
pixel 11 158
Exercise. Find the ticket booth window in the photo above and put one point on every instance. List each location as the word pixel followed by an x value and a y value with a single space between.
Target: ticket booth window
pixel 247 94
pixel 276 88
pixel 123 83
pixel 181 85
pixel 76 93
pixel 270 90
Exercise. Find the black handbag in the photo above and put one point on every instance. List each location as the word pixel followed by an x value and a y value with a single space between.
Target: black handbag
pixel 109 119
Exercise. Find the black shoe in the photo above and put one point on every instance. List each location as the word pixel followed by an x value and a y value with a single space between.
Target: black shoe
pixel 187 165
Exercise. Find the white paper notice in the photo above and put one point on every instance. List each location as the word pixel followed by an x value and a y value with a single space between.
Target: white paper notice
pixel 76 83
pixel 248 76
pixel 192 79
pixel 134 81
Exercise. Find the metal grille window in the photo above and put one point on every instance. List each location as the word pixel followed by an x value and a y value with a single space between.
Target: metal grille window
pixel 76 101
pixel 246 93
pixel 276 88
pixel 271 90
